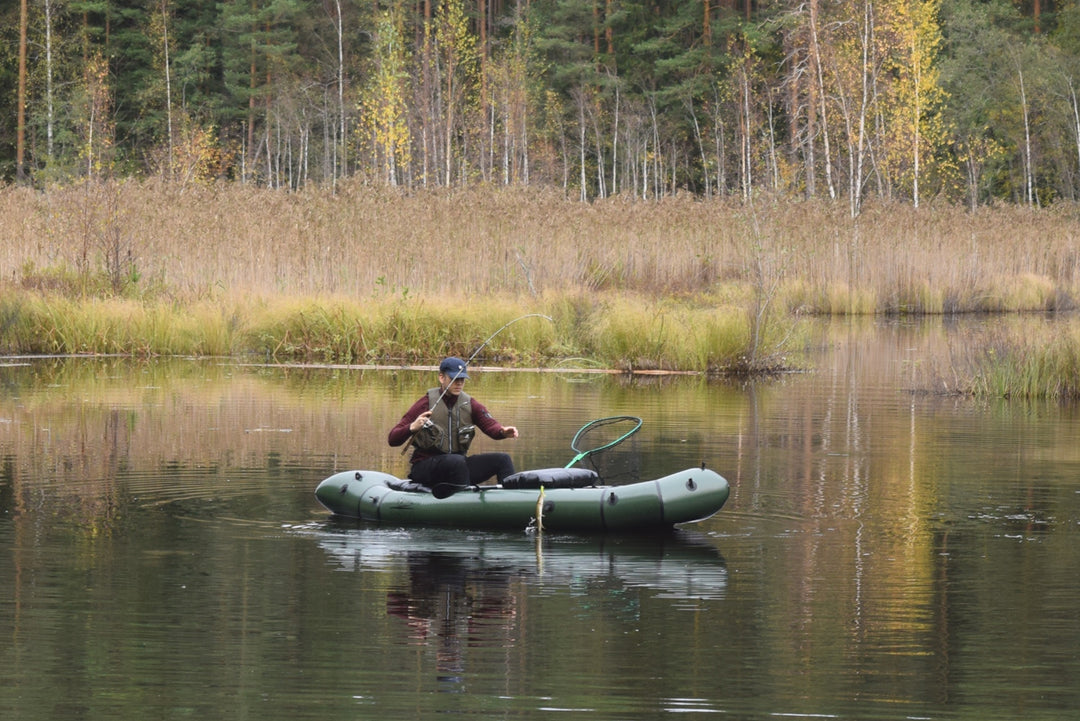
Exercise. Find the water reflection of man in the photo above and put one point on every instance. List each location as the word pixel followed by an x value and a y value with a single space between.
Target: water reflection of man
pixel 450 605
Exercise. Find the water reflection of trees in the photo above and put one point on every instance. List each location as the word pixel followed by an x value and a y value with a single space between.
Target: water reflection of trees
pixel 868 482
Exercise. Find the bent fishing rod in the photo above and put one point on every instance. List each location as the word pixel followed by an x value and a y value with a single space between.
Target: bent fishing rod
pixel 461 370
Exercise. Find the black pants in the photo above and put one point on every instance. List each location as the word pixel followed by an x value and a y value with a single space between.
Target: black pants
pixel 459 470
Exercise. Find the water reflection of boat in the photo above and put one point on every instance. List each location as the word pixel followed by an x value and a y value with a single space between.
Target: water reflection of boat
pixel 567 500
pixel 677 565
pixel 454 593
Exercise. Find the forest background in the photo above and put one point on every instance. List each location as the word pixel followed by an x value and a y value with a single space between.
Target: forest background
pixel 966 100
pixel 355 181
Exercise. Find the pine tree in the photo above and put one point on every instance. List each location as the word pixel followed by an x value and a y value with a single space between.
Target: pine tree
pixel 258 53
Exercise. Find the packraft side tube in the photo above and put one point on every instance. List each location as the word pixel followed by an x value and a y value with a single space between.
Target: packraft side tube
pixel 683 497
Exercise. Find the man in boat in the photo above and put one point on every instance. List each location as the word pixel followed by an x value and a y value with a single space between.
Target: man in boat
pixel 441 425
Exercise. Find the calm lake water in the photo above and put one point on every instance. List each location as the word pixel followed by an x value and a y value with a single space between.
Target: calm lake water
pixel 885 554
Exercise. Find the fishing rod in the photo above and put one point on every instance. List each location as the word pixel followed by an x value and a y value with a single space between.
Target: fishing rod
pixel 461 370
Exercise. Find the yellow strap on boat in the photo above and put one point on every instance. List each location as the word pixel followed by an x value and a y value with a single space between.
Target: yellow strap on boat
pixel 540 510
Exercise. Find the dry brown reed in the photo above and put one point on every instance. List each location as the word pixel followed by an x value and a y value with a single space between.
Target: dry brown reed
pixel 365 243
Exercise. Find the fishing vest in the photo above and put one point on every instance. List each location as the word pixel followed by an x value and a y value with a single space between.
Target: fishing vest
pixel 452 429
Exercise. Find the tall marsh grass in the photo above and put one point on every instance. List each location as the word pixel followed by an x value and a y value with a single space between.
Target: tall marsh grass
pixel 370 274
pixel 366 243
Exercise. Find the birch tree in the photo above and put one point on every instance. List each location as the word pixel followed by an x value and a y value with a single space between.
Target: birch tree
pixel 50 105
pixel 159 29
pixel 926 92
pixel 513 74
pixel 818 107
pixel 810 85
pixel 911 108
pixel 854 64
pixel 458 59
pixel 96 126
pixel 384 126
pixel 20 103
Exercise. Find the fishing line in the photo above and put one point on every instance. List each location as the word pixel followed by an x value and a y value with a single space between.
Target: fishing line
pixel 428 423
pixel 484 344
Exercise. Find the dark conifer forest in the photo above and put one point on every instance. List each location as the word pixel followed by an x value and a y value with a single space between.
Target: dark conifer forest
pixel 966 101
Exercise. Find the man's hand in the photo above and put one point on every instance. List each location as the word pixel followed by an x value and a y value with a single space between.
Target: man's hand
pixel 419 422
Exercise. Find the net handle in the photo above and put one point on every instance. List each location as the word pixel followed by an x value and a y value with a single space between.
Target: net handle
pixel 602 421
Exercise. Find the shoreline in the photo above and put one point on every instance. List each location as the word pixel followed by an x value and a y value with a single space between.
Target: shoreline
pixel 652 288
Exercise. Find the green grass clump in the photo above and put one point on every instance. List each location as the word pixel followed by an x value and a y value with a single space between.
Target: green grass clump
pixel 636 334
pixel 801 297
pixel 1044 367
pixel 399 330
pixel 331 331
pixel 619 331
pixel 34 324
